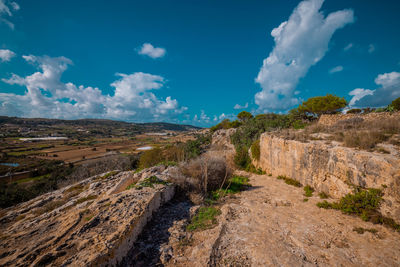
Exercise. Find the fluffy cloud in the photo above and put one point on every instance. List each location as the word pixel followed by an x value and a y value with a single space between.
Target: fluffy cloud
pixel 6 10
pixel 348 47
pixel 388 91
pixel 47 96
pixel 358 94
pixel 300 42
pixel 336 69
pixel 6 55
pixel 237 106
pixel 151 51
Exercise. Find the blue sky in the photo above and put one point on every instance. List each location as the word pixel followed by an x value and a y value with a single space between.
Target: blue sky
pixel 193 61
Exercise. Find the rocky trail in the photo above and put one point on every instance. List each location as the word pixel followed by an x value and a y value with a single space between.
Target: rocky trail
pixel 267 225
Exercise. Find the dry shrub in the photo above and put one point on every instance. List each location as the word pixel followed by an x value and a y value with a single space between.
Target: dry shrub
pixel 363 139
pixel 353 132
pixel 205 173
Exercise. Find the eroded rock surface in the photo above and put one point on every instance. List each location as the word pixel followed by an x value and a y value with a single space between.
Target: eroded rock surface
pixel 94 222
pixel 271 225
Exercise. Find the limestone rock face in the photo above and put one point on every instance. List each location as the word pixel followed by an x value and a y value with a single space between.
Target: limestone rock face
pixel 94 222
pixel 332 168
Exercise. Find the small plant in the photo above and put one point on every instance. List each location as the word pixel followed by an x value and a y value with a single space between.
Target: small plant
pixel 324 205
pixel 361 230
pixel 108 175
pixel 150 182
pixel 232 186
pixel 323 195
pixel 205 219
pixel 289 181
pixel 305 199
pixel 167 163
pixel 308 191
pixel 88 218
pixel 133 185
pixel 251 168
pixel 270 174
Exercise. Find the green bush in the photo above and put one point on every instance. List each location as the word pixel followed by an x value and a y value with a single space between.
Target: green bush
pixel 396 104
pixel 328 104
pixel 255 149
pixel 244 116
pixel 242 158
pixel 363 203
pixel 225 124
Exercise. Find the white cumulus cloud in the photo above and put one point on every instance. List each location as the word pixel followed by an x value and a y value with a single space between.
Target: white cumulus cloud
pixel 151 51
pixel 7 9
pixel 388 91
pixel 6 55
pixel 133 98
pixel 300 42
pixel 237 106
pixel 336 69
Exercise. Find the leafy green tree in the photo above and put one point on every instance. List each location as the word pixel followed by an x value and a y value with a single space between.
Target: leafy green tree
pixel 396 104
pixel 244 116
pixel 319 105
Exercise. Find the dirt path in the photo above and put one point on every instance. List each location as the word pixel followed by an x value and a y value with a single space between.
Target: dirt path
pixel 271 225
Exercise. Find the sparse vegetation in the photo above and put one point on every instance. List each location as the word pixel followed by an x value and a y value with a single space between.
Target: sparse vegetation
pixel 204 219
pixel 52 205
pixel 108 175
pixel 361 230
pixel 289 181
pixel 323 195
pixel 363 203
pixel 232 186
pixel 150 182
pixel 308 191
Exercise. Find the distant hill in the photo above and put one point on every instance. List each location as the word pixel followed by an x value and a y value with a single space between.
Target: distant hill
pixel 151 126
pixel 33 127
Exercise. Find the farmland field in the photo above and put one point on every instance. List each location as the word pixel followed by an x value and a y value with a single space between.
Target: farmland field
pixel 38 155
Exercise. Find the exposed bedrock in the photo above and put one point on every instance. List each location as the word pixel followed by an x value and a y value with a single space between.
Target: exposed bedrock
pixel 332 169
pixel 91 223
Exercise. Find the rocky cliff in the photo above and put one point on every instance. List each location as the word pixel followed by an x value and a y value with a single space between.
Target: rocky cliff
pixel 94 222
pixel 333 169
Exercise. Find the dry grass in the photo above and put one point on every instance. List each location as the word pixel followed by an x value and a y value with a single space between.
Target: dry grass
pixel 353 132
